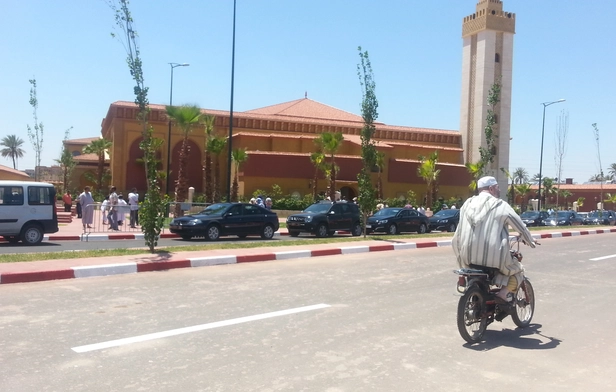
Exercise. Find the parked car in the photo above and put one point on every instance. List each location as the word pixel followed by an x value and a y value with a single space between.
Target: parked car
pixel 583 215
pixel 445 220
pixel 27 211
pixel 222 219
pixel 564 218
pixel 534 218
pixel 325 218
pixel 395 220
pixel 605 217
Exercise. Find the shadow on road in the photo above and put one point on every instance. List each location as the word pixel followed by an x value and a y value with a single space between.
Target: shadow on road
pixel 529 338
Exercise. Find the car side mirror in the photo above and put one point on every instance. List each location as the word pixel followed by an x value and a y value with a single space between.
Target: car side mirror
pixel 332 212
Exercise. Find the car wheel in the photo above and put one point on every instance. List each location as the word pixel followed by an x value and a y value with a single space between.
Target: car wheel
pixel 32 234
pixel 322 231
pixel 451 228
pixel 186 237
pixel 392 229
pixel 357 230
pixel 293 233
pixel 213 233
pixel 422 229
pixel 267 232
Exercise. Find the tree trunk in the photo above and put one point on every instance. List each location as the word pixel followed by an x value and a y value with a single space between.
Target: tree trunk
pixel 209 189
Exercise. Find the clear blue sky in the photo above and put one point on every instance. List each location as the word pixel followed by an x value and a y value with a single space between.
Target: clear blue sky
pixel 284 48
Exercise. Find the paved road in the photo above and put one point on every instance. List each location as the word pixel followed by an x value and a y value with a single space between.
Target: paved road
pixel 386 323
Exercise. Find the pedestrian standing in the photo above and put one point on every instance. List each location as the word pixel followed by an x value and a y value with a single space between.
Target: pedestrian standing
pixel 113 207
pixel 133 202
pixel 68 202
pixel 86 201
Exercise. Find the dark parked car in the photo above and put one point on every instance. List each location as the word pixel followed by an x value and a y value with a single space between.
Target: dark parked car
pixel 221 219
pixel 445 220
pixel 394 220
pixel 534 218
pixel 605 217
pixel 325 218
pixel 564 218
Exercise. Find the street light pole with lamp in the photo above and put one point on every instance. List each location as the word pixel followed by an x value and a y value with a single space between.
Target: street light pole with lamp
pixel 545 104
pixel 173 65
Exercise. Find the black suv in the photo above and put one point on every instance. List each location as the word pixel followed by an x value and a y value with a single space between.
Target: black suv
pixel 325 218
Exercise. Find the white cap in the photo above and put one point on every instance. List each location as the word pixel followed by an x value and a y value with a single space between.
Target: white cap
pixel 486 181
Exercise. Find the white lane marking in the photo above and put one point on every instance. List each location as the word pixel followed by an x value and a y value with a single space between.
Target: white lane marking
pixel 602 258
pixel 196 328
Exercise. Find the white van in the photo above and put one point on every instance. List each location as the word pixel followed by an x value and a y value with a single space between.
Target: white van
pixel 27 211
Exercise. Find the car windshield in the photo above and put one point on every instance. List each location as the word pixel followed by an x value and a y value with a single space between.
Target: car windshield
pixel 387 211
pixel 595 214
pixel 446 213
pixel 215 209
pixel 563 214
pixel 530 215
pixel 318 208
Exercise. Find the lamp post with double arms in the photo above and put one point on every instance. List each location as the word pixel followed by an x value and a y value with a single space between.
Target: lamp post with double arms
pixel 173 65
pixel 545 104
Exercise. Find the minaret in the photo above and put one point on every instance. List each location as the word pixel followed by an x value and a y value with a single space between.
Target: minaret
pixel 487 56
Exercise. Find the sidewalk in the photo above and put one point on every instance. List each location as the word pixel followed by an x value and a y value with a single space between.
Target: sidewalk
pixel 103 266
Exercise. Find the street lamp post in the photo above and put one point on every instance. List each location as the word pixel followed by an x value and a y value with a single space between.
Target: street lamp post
pixel 545 104
pixel 230 141
pixel 173 65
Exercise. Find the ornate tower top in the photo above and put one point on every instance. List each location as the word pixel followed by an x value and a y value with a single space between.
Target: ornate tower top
pixel 489 15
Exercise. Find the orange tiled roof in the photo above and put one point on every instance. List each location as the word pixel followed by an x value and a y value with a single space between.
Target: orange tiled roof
pixel 13 171
pixel 85 141
pixel 307 108
pixel 88 158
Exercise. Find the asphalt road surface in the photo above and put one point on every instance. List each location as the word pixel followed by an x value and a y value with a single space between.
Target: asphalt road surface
pixel 381 321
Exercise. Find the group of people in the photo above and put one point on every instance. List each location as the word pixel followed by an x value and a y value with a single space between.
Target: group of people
pixel 261 202
pixel 113 208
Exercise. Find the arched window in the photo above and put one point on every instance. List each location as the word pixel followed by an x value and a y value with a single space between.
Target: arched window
pixel 76 153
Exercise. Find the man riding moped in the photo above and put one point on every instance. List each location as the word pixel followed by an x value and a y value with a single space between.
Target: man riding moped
pixel 482 237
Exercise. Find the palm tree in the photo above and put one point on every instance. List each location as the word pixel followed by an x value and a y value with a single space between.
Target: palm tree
pixel 611 170
pixel 428 171
pixel 330 143
pixel 475 170
pixel 239 156
pixel 610 199
pixel 596 178
pixel 566 194
pixel 12 148
pixel 99 147
pixel 184 117
pixel 548 188
pixel 380 164
pixel 512 187
pixel 523 190
pixel 535 179
pixel 318 160
pixel 216 147
pixel 208 121
pixel 520 175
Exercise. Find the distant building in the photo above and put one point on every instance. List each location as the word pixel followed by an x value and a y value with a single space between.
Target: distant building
pixel 8 173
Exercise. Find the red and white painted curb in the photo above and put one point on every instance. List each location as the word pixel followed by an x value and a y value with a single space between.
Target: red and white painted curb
pixel 135 267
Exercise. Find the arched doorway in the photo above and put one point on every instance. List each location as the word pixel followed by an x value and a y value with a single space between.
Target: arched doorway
pixel 348 193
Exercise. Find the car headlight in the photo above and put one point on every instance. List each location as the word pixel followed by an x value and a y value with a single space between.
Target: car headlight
pixel 193 222
pixel 442 221
pixel 309 218
pixel 381 221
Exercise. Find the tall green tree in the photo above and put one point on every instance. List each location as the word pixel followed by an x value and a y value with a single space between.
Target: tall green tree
pixel 66 162
pixel 428 171
pixel 153 209
pixel 36 132
pixel 488 152
pixel 184 117
pixel 239 156
pixel 380 164
pixel 216 146
pixel 566 194
pixel 12 148
pixel 318 160
pixel 100 147
pixel 330 143
pixel 208 191
pixel 523 190
pixel 369 113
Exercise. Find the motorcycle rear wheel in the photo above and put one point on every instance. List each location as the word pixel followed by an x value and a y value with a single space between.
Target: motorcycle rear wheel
pixel 524 305
pixel 472 320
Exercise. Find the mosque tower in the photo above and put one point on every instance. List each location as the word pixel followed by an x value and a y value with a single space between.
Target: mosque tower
pixel 487 56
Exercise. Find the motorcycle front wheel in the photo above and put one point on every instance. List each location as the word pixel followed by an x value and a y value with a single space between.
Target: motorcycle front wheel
pixel 524 303
pixel 472 320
